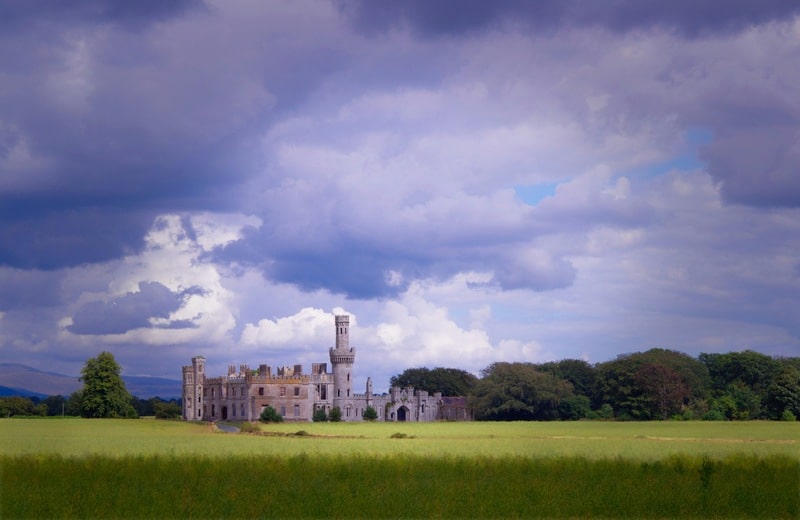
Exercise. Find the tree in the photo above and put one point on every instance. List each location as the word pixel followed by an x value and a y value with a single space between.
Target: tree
pixel 623 383
pixel 518 392
pixel 104 394
pixel 166 409
pixel 370 414
pixel 56 404
pixel 784 393
pixel 270 414
pixel 17 405
pixel 335 415
pixel 448 381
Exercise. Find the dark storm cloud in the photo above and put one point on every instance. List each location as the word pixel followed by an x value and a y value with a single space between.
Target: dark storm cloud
pixel 112 113
pixel 453 17
pixel 132 311
pixel 17 13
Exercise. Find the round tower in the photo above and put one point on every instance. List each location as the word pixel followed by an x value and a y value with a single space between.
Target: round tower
pixel 342 358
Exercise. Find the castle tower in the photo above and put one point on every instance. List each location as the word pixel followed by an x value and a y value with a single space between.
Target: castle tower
pixel 342 359
pixel 192 396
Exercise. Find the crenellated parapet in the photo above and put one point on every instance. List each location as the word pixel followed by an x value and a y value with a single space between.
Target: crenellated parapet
pixel 342 356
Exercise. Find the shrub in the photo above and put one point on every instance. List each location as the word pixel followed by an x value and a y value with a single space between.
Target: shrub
pixel 319 415
pixel 336 414
pixel 714 415
pixel 370 414
pixel 269 414
pixel 787 415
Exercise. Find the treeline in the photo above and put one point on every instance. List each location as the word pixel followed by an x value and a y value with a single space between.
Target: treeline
pixel 56 405
pixel 657 384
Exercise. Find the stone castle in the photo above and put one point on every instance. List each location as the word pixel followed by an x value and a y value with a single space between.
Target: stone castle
pixel 296 395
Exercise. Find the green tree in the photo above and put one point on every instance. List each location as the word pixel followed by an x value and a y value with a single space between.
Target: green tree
pixel 518 392
pixel 56 404
pixel 166 409
pixel 319 415
pixel 784 392
pixel 448 381
pixel 623 383
pixel 370 414
pixel 104 394
pixel 17 405
pixel 577 371
pixel 270 414
pixel 335 415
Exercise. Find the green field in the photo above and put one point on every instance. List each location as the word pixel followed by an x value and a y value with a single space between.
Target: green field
pixel 83 468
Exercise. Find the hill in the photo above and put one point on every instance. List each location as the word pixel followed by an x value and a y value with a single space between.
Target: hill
pixel 17 379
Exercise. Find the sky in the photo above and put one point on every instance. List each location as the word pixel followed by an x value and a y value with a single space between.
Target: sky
pixel 471 181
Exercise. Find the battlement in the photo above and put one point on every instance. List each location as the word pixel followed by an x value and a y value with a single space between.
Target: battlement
pixel 342 356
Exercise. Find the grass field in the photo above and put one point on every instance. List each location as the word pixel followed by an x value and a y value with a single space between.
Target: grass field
pixel 80 468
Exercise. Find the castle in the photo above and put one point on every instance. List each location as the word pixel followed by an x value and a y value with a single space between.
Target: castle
pixel 296 396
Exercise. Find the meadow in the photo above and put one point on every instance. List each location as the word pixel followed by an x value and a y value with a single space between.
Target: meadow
pixel 78 468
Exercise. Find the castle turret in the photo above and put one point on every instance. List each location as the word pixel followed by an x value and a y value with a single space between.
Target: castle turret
pixel 192 396
pixel 342 359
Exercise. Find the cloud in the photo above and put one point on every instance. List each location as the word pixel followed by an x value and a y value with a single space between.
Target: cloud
pixel 453 17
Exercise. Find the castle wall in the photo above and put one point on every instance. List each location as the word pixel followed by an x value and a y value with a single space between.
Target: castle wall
pixel 241 396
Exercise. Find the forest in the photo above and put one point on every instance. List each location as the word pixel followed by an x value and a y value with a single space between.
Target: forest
pixel 658 384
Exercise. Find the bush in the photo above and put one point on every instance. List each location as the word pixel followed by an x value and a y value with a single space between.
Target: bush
pixel 319 415
pixel 714 415
pixel 269 414
pixel 787 415
pixel 370 414
pixel 336 414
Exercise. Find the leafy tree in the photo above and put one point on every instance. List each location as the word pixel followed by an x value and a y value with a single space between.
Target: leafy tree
pixel 104 393
pixel 622 383
pixel 74 403
pixel 270 414
pixel 784 392
pixel 56 404
pixel 518 392
pixel 664 389
pixel 166 409
pixel 575 407
pixel 448 381
pixel 335 415
pixel 319 415
pixel 16 405
pixel 577 371
pixel 370 414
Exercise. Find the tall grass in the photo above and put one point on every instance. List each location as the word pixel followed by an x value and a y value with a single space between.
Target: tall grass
pixel 401 486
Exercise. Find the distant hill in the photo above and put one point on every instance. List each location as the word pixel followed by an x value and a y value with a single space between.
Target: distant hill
pixel 24 380
pixel 7 392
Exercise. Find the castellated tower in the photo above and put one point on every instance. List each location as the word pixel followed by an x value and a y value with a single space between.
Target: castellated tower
pixel 193 378
pixel 342 358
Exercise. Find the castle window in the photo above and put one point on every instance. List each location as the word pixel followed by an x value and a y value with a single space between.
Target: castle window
pixel 283 411
pixel 213 410
pixel 283 392
pixel 348 392
pixel 297 391
pixel 233 409
pixel 297 410
pixel 242 410
pixel 348 377
pixel 338 392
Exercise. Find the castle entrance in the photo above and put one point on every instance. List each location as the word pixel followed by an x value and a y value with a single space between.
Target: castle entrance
pixel 224 413
pixel 403 414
